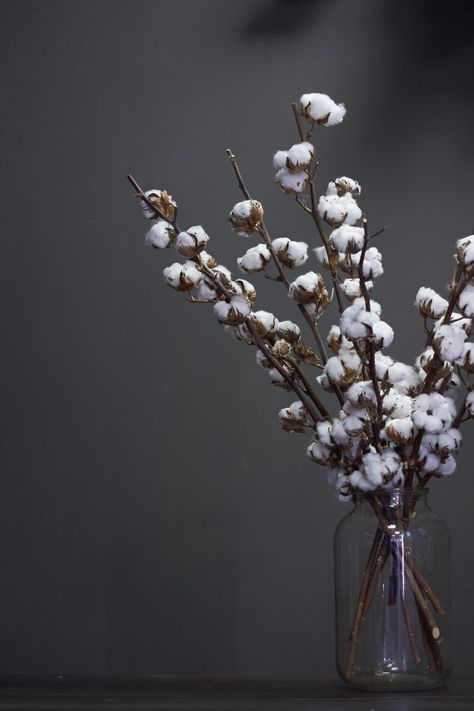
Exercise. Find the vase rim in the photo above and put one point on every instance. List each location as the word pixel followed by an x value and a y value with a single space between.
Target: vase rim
pixel 397 491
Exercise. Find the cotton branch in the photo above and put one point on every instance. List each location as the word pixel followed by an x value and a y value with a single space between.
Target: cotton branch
pixel 263 231
pixel 369 341
pixel 314 214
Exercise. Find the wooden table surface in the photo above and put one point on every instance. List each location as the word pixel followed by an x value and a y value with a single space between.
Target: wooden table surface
pixel 185 694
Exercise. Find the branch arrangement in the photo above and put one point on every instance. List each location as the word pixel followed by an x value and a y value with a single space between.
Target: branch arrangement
pixel 394 425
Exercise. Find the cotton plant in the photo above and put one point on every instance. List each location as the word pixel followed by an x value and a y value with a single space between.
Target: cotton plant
pixel 391 425
pixel 387 409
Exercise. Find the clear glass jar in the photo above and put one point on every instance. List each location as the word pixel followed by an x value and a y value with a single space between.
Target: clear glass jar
pixel 392 576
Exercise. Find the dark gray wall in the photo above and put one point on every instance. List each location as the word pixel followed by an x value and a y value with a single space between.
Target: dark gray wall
pixel 153 518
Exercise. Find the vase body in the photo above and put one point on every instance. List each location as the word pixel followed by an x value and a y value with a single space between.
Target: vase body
pixel 392 579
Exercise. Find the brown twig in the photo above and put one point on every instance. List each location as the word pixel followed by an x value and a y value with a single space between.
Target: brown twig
pixel 366 577
pixel 380 562
pixel 409 626
pixel 369 341
pixel 422 582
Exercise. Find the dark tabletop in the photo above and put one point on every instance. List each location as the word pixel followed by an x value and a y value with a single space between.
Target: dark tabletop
pixel 221 695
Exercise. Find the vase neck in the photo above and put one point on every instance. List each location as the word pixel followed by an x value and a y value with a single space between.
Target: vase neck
pixel 407 499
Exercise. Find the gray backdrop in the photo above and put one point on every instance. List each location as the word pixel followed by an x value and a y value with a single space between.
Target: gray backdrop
pixel 153 517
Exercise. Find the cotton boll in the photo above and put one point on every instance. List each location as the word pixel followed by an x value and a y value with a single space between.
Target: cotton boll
pixel 279 159
pixel 190 243
pixel 465 251
pixel 448 342
pixel 208 260
pixel 354 426
pixel 375 307
pixel 278 379
pixel 323 381
pixel 332 210
pixel 160 235
pixel 380 469
pixel 397 405
pixel 351 288
pixel 164 203
pixel 289 331
pixel 356 321
pixel 373 468
pixel 361 393
pixel 205 293
pixel 265 323
pixel 347 238
pixel 372 264
pixel 336 209
pixel 466 301
pixel 316 107
pixel 323 430
pixel 428 460
pixel 457 321
pixel 331 261
pixel 447 467
pixel 443 444
pixel 429 303
pixel 356 478
pixel 255 259
pixel 281 348
pixel 309 288
pixel 345 185
pixel 339 435
pixel 182 277
pixel 336 116
pixel 294 417
pixel 405 378
pixel 353 211
pixel 234 312
pixel 383 334
pixel 400 430
pixel 466 361
pixel 246 217
pixel 433 412
pixel 350 326
pixel 350 358
pixel 299 156
pixel 322 109
pixel 336 340
pixel 338 372
pixel 291 182
pixel 425 359
pixel 399 371
pixel 244 287
pixel 320 454
pixel 290 253
pixel 382 364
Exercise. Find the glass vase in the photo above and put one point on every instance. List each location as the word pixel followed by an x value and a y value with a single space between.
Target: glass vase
pixel 392 577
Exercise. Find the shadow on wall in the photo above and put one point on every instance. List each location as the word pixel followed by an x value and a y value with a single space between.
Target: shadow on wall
pixel 433 31
pixel 276 18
